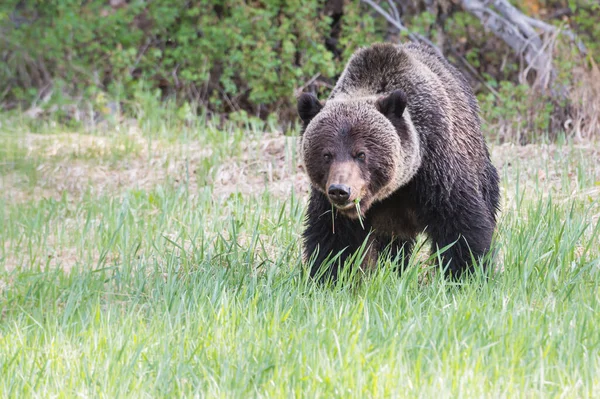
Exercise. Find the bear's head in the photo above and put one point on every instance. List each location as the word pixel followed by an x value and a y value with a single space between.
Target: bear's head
pixel 358 151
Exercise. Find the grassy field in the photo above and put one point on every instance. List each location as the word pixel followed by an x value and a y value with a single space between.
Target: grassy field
pixel 162 258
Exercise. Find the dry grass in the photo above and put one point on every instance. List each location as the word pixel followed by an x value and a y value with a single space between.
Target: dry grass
pixel 547 164
pixel 76 164
pixel 69 166
pixel 267 162
pixel 52 254
pixel 585 96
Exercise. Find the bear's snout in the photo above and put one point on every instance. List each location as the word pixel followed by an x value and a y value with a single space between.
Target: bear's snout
pixel 339 193
pixel 344 184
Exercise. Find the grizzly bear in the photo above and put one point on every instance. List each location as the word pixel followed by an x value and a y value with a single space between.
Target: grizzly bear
pixel 397 150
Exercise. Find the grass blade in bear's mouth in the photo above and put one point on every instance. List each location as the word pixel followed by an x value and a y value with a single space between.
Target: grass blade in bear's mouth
pixel 357 206
pixel 333 219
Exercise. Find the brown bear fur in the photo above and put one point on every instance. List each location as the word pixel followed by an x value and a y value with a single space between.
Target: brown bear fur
pixel 400 133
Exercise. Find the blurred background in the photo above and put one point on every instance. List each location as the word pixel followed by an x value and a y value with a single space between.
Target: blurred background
pixel 532 63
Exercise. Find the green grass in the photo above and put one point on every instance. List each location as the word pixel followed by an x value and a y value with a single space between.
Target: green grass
pixel 176 290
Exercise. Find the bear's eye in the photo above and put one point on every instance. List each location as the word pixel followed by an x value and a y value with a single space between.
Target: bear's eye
pixel 327 157
pixel 361 156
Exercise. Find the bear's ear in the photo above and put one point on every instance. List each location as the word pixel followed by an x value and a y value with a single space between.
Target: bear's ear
pixel 392 104
pixel 308 107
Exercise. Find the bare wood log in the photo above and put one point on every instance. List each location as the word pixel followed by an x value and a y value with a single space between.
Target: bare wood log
pixel 546 27
pixel 518 31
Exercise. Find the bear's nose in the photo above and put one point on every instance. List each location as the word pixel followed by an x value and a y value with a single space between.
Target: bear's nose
pixel 339 193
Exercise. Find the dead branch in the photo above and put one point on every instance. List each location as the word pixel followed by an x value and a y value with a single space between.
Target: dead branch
pixel 518 31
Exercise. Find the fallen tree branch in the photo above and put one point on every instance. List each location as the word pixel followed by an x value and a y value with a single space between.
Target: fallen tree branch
pixel 530 38
pixel 310 81
pixel 474 73
pixel 515 32
pixel 518 31
pixel 546 27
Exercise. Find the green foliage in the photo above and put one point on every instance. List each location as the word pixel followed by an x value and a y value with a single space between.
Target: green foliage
pixel 422 23
pixel 224 56
pixel 517 112
pixel 359 29
pixel 228 54
pixel 585 18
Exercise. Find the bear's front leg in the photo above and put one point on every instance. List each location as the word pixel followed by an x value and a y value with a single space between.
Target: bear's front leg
pixel 468 229
pixel 328 234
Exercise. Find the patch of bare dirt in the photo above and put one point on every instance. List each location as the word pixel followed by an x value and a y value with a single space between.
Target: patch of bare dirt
pixel 76 164
pixel 269 163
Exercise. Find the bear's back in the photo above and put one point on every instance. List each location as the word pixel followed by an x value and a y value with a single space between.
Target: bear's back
pixel 442 105
pixel 427 79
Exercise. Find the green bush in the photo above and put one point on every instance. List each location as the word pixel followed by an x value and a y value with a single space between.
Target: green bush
pixel 517 113
pixel 227 55
pixel 233 56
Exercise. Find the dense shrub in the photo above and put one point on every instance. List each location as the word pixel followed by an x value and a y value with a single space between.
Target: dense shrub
pixel 226 54
pixel 233 55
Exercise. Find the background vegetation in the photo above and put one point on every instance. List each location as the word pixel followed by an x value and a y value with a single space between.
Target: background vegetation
pixel 152 200
pixel 89 59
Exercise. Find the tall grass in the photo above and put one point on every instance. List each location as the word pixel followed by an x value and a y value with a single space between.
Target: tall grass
pixel 171 292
